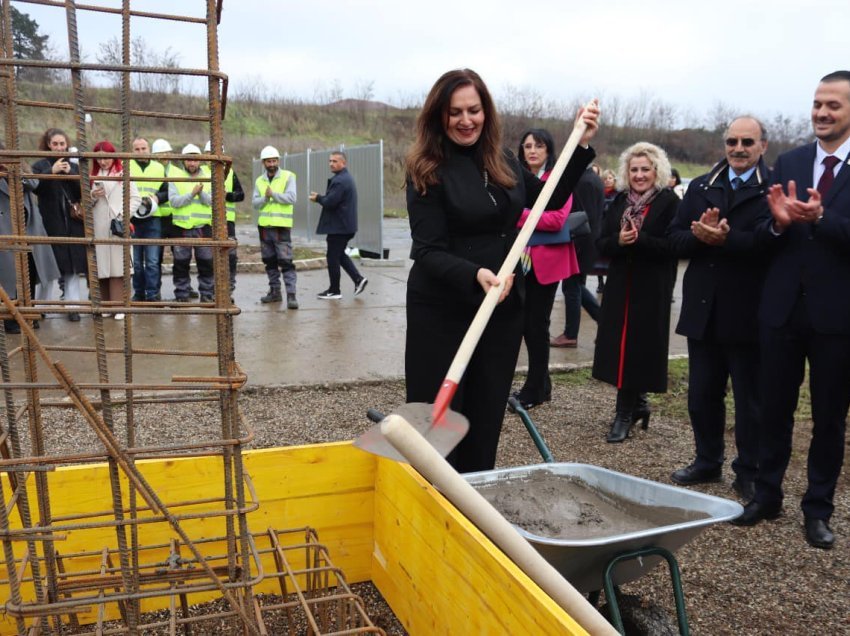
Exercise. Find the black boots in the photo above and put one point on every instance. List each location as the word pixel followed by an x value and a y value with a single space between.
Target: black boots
pixel 631 407
pixel 642 411
pixel 274 296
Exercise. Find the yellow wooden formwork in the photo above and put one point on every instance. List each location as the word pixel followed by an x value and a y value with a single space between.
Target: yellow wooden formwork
pixel 380 521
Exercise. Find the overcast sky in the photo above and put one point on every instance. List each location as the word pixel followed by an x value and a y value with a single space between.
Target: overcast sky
pixel 764 58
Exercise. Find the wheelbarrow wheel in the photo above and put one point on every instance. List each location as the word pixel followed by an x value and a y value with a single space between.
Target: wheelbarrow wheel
pixel 642 618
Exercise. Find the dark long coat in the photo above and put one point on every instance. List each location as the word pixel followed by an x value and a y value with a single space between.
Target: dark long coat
pixel 53 197
pixel 634 326
pixel 722 285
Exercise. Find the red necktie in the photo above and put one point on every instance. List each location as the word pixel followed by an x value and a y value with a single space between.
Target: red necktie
pixel 828 176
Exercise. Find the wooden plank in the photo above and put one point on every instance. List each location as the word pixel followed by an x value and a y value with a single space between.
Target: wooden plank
pixel 441 575
pixel 329 487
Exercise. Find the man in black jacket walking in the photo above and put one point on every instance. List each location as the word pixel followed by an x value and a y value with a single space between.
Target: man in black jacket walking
pixel 716 228
pixel 339 221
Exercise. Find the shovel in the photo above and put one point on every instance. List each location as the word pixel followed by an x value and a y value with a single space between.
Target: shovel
pixel 439 425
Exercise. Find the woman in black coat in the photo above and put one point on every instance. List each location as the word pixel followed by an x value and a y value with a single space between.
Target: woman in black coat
pixel 465 194
pixel 634 326
pixel 54 199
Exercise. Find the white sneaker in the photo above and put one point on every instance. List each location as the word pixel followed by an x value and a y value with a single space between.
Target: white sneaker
pixel 360 286
pixel 119 316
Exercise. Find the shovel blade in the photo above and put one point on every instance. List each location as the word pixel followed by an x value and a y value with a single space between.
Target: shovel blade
pixel 443 437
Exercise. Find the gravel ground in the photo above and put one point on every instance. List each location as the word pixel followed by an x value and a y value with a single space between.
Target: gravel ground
pixel 761 580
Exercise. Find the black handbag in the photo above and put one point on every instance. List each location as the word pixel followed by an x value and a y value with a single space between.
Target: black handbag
pixel 116 226
pixel 579 224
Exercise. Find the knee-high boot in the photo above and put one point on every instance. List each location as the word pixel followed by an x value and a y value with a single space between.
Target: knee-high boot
pixel 642 411
pixel 623 420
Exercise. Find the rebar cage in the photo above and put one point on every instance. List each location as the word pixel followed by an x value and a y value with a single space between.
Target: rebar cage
pixel 52 590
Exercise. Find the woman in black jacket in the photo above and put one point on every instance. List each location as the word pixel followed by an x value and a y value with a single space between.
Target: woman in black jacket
pixel 465 193
pixel 634 325
pixel 55 199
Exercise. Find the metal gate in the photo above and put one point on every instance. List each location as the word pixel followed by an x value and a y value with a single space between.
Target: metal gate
pixel 366 165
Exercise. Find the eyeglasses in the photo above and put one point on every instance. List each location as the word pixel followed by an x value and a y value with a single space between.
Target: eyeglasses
pixel 746 142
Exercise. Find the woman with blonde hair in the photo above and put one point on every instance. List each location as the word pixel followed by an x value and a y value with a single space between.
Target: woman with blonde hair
pixel 634 325
pixel 465 194
pixel 108 204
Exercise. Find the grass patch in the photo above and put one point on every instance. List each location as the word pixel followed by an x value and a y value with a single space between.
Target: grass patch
pixel 578 377
pixel 301 253
pixel 395 213
pixel 674 403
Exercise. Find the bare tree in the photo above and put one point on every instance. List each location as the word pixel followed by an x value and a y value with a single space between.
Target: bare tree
pixel 110 52
pixel 327 95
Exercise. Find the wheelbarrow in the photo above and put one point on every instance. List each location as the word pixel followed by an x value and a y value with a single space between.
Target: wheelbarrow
pixel 607 561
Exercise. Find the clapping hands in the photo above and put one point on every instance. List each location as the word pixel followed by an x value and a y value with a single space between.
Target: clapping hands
pixel 710 229
pixel 788 209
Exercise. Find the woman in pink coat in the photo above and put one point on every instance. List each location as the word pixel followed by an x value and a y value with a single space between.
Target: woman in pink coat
pixel 544 266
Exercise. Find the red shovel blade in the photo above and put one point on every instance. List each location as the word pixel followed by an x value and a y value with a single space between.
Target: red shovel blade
pixel 443 436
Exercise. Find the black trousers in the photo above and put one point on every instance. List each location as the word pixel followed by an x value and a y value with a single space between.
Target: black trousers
pixel 434 333
pixel 336 256
pixel 711 365
pixel 538 306
pixel 784 352
pixel 576 296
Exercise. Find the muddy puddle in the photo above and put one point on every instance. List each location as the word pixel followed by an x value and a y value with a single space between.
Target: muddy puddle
pixel 565 507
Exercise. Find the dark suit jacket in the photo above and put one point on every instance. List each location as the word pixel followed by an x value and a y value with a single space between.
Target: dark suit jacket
pixel 339 205
pixel 722 285
pixel 811 259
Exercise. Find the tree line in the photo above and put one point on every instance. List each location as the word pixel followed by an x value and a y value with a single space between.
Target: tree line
pixel 337 114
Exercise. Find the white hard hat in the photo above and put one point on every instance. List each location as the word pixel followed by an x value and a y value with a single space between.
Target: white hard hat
pixel 208 148
pixel 191 149
pixel 269 152
pixel 160 145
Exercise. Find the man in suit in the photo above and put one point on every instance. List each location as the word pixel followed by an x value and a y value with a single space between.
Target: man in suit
pixel 805 313
pixel 716 228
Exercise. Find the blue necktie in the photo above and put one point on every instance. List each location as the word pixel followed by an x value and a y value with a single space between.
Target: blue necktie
pixel 737 182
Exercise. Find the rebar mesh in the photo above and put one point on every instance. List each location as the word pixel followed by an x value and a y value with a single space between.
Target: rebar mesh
pixel 51 589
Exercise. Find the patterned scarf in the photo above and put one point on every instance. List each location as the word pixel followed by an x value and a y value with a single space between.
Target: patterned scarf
pixel 637 203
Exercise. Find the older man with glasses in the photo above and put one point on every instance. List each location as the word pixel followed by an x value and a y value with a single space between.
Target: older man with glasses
pixel 716 227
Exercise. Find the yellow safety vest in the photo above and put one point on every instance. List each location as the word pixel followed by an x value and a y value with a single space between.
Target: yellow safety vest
pixel 272 213
pixel 195 214
pixel 148 188
pixel 229 206
pixel 170 170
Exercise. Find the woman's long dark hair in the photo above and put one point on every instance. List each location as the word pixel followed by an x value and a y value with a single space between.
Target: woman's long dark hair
pixel 426 154
pixel 50 133
pixel 541 136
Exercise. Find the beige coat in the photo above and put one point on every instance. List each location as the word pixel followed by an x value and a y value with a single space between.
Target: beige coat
pixel 110 258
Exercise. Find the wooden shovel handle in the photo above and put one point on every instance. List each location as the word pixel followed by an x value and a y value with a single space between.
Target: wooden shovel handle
pixel 431 465
pixel 491 299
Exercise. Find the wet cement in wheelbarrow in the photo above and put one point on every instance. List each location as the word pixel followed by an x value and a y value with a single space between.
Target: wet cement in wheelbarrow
pixel 566 507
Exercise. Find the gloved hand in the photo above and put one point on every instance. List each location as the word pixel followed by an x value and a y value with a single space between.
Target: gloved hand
pixel 146 208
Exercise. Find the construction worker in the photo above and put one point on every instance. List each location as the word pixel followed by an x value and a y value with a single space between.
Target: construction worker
pixel 170 169
pixel 191 214
pixel 233 193
pixel 146 224
pixel 274 196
